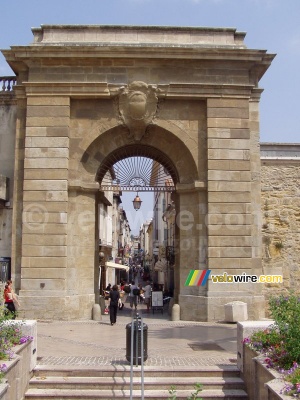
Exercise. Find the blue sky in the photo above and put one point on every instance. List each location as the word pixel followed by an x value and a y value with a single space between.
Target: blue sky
pixel 270 24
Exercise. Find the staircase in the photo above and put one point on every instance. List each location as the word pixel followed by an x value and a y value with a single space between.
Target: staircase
pixel 113 382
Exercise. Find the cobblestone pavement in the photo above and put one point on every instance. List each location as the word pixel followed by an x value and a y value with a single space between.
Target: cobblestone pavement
pixel 170 343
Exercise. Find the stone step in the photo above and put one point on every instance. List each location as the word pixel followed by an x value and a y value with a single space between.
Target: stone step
pixel 150 383
pixel 124 371
pixel 113 382
pixel 67 394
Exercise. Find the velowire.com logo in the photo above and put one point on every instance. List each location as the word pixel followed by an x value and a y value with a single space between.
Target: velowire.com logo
pixel 197 277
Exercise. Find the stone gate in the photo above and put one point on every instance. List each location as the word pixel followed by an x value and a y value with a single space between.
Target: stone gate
pixel 186 96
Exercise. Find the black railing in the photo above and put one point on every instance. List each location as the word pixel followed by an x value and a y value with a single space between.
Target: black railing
pixel 7 83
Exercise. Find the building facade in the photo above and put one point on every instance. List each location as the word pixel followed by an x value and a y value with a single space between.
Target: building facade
pixel 88 96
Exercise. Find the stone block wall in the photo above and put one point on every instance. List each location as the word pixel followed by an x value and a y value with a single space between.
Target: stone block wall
pixel 280 202
pixel 8 111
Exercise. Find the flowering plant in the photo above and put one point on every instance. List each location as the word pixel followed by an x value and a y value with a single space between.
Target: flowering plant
pixel 3 369
pixel 10 336
pixel 281 341
pixel 262 340
pixel 292 379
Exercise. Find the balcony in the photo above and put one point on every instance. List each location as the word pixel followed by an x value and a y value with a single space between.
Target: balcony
pixel 7 83
pixel 7 94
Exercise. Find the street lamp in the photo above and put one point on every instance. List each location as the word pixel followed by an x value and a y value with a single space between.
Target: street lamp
pixel 101 255
pixel 137 202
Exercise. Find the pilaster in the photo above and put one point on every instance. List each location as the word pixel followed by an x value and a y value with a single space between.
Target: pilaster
pixel 233 186
pixel 45 205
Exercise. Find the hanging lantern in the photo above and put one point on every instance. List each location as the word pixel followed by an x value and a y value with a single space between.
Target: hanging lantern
pixel 137 202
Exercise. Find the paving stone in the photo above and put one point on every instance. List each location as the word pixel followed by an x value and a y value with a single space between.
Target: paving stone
pixel 178 343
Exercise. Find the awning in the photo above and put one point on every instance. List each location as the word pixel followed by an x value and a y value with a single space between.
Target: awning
pixel 110 264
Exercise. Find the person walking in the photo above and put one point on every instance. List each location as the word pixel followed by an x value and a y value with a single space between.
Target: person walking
pixel 133 295
pixel 141 296
pixel 147 295
pixel 114 296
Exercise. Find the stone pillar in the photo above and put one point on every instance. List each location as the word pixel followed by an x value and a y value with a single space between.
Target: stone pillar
pixel 256 187
pixel 45 207
pixel 16 248
pixel 191 225
pixel 82 255
pixel 231 202
pixel 257 310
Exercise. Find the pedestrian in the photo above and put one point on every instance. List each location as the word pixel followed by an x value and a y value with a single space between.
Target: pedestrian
pixel 141 297
pixel 122 294
pixel 133 295
pixel 114 296
pixel 9 299
pixel 147 295
pixel 107 291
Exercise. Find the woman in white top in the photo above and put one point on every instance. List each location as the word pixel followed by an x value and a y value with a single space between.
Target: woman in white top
pixel 147 293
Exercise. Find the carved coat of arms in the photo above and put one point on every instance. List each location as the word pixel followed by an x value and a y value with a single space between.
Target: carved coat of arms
pixel 137 107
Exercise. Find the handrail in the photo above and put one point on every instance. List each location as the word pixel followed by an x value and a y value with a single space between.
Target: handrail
pixel 7 83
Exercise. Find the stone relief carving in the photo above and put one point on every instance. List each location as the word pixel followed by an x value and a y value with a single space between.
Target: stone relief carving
pixel 137 107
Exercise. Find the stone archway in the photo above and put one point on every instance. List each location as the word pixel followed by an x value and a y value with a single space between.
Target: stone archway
pixel 195 100
pixel 179 162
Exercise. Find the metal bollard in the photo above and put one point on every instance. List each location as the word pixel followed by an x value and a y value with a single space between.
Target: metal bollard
pixel 139 331
pixel 136 348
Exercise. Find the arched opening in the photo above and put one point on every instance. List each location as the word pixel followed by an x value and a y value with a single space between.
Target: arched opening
pixel 132 169
pixel 100 151
pixel 177 245
pixel 137 167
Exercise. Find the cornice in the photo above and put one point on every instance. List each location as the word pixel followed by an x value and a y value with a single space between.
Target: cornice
pixel 172 90
pixel 80 186
pixel 140 50
pixel 72 89
pixel 280 160
pixel 191 187
pixel 20 57
pixel 279 153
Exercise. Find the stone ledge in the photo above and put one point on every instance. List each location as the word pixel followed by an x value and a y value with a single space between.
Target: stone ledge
pixel 3 391
pixel 244 330
pixel 261 382
pixel 19 369
pixel 274 387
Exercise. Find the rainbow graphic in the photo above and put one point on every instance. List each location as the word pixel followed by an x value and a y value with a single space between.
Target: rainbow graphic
pixel 197 277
